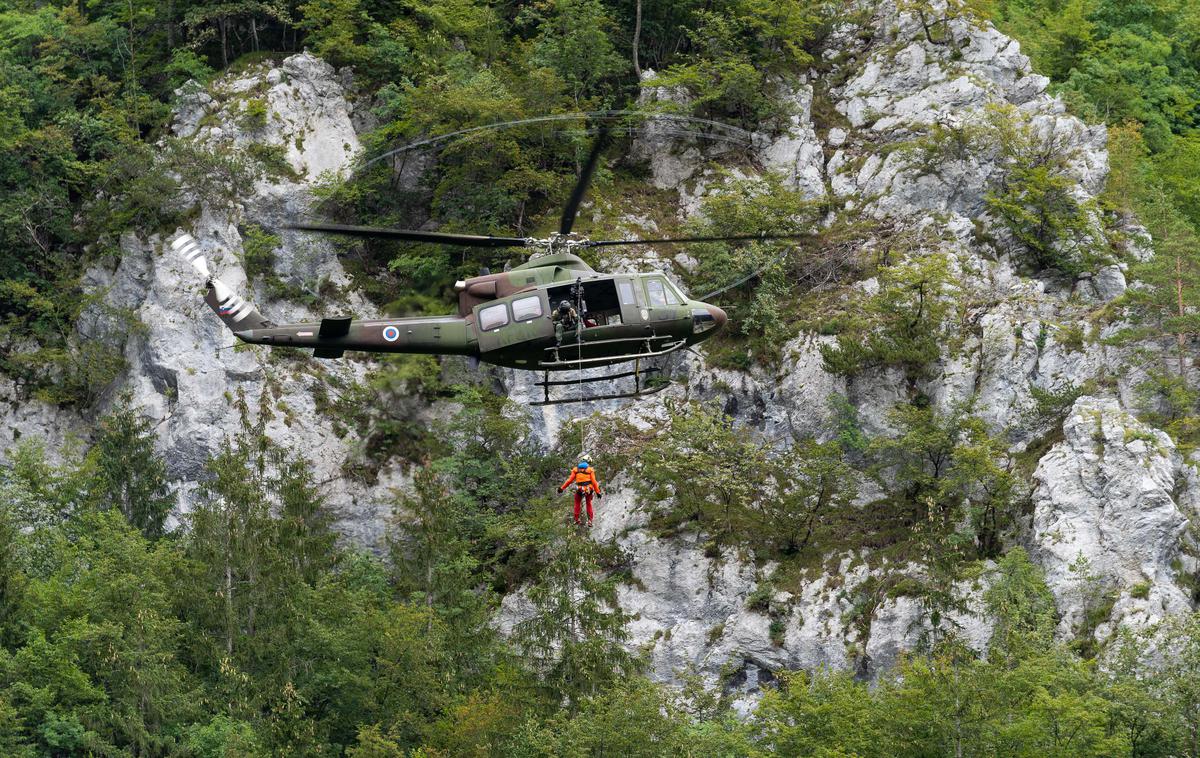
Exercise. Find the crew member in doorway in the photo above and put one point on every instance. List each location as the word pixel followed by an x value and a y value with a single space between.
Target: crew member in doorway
pixel 586 484
pixel 565 318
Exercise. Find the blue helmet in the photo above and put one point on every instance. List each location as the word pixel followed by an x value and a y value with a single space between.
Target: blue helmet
pixel 583 464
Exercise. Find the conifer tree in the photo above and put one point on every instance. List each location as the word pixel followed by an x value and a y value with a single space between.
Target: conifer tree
pixel 574 638
pixel 127 473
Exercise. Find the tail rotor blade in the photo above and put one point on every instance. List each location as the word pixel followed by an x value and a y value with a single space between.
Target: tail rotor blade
pixel 186 246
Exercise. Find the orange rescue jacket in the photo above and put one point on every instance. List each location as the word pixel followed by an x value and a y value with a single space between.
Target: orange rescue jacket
pixel 584 478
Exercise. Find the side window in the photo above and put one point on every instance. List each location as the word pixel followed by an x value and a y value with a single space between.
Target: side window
pixel 626 290
pixel 493 317
pixel 527 308
pixel 656 292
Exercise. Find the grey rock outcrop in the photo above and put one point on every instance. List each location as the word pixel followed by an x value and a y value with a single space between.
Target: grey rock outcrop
pixel 183 368
pixel 1108 524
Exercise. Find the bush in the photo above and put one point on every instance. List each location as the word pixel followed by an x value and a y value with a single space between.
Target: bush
pixel 1035 196
pixel 903 324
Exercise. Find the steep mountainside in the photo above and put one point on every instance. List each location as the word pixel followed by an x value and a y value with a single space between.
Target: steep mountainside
pixel 922 135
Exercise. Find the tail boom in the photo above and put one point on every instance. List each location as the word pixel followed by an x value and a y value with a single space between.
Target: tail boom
pixel 436 335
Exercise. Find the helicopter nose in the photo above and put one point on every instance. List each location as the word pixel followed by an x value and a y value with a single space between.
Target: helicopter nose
pixel 718 315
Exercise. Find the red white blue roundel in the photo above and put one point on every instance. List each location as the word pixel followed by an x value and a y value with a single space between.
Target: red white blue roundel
pixel 391 333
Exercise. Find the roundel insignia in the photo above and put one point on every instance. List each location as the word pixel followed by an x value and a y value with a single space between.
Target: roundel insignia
pixel 391 333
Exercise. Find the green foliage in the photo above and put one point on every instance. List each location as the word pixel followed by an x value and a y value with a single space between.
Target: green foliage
pixel 741 52
pixel 1116 62
pixel 1034 197
pixel 253 115
pixel 902 324
pixel 1134 66
pixel 1022 606
pixel 948 480
pixel 573 40
pixel 713 471
pixel 127 473
pixel 764 302
pixel 253 633
pixel 702 468
pixel 574 636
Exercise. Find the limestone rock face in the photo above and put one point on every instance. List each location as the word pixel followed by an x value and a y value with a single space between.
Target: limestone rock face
pixel 183 368
pixel 1107 518
pixel 300 106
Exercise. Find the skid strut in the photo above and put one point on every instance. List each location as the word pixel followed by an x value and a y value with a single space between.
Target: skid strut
pixel 638 391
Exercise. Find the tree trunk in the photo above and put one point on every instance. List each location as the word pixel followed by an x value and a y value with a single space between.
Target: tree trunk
pixel 228 607
pixel 637 38
pixel 1181 312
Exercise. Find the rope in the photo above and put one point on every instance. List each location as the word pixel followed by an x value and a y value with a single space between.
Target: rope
pixel 579 350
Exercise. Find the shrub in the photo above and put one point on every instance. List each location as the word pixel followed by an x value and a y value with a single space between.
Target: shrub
pixel 903 324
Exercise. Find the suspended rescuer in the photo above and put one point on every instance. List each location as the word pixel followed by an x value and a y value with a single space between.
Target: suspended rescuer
pixel 583 476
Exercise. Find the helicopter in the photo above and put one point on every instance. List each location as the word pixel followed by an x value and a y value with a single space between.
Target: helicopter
pixel 507 319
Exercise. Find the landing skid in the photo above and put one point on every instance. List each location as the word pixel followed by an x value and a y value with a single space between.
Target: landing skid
pixel 638 389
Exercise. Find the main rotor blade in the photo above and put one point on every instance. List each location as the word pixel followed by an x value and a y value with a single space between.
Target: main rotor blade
pixel 734 238
pixel 585 178
pixel 443 238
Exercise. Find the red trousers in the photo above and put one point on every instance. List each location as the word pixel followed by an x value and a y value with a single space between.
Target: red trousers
pixel 579 496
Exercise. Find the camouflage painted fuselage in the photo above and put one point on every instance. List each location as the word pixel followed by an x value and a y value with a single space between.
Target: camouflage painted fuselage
pixel 505 319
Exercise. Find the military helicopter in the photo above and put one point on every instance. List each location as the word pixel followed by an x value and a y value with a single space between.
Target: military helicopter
pixel 507 319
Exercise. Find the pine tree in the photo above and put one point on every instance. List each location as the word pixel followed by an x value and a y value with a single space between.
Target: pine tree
pixel 12 578
pixel 127 474
pixel 435 566
pixel 574 639
pixel 260 534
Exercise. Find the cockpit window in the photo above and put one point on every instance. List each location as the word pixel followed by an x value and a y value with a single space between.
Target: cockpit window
pixel 526 308
pixel 493 317
pixel 626 290
pixel 673 296
pixel 656 292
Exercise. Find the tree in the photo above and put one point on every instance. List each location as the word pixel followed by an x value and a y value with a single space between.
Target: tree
pixel 1022 606
pixel 259 535
pixel 12 577
pixel 1180 677
pixel 816 486
pixel 573 40
pixel 740 52
pixel 435 567
pixel 1035 196
pixel 944 472
pixel 127 473
pixel 822 713
pixel 902 324
pixel 104 641
pixel 712 472
pixel 574 637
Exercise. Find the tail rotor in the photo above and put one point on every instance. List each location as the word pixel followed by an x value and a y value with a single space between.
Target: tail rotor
pixel 234 311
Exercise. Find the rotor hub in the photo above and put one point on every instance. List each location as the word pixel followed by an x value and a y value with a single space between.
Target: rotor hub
pixel 556 242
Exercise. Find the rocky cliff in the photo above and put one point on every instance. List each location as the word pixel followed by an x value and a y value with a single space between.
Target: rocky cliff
pixel 904 131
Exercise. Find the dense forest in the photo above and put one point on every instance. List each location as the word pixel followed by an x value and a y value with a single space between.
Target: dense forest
pixel 246 627
pixel 251 632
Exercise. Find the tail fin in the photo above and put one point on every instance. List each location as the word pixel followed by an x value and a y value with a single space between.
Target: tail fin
pixel 236 313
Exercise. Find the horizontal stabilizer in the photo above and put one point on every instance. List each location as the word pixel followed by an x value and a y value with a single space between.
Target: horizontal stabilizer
pixel 332 328
pixel 328 352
